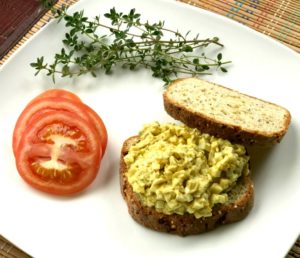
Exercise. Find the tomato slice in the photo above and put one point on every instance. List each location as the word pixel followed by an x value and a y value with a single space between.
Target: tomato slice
pixel 92 114
pixel 50 103
pixel 100 127
pixel 54 93
pixel 59 153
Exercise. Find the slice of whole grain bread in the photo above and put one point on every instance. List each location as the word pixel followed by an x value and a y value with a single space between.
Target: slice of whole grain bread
pixel 226 113
pixel 239 205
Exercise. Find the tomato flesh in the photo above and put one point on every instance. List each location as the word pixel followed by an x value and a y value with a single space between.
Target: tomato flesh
pixel 59 153
pixel 51 165
pixel 47 104
pixel 58 143
pixel 43 105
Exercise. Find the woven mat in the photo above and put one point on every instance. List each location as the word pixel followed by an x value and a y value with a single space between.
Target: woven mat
pixel 279 19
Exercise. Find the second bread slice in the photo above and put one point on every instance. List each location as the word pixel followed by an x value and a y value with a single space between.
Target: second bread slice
pixel 226 113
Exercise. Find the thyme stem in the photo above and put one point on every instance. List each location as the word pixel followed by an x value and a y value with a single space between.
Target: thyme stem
pixel 129 43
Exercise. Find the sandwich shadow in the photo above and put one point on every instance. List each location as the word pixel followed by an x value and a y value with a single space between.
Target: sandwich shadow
pixel 280 158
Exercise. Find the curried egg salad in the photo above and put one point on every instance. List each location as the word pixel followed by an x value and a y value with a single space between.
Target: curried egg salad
pixel 178 170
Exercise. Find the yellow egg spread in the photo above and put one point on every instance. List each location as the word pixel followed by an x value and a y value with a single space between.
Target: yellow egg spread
pixel 176 169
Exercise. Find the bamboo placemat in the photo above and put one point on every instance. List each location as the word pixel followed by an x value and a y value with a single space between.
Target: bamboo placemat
pixel 279 19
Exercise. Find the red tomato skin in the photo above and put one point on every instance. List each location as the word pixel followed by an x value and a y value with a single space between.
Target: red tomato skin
pixel 51 103
pixel 54 93
pixel 91 158
pixel 100 127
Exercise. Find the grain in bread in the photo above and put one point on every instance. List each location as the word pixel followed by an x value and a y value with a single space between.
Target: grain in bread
pixel 226 113
pixel 238 206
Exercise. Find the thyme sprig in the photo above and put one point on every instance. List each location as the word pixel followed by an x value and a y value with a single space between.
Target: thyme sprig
pixel 128 43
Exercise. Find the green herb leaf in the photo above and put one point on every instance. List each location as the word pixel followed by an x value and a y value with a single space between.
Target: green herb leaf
pixel 219 56
pixel 129 43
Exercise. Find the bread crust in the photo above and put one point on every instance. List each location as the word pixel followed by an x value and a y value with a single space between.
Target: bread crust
pixel 231 132
pixel 185 224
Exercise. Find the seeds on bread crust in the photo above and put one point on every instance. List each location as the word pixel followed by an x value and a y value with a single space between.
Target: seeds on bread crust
pixel 226 113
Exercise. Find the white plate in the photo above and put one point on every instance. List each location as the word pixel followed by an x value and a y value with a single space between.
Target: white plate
pixel 96 223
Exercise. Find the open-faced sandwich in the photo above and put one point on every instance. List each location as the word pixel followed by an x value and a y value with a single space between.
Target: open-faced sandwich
pixel 190 178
